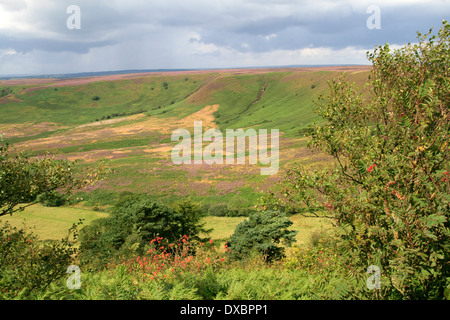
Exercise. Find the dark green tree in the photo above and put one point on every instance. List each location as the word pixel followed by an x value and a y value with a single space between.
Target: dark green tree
pixel 134 222
pixel 190 220
pixel 262 233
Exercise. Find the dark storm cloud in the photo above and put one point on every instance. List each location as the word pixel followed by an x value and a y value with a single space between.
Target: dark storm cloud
pixel 202 32
pixel 296 24
pixel 338 28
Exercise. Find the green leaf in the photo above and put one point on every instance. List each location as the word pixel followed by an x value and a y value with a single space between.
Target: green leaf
pixel 447 293
pixel 434 220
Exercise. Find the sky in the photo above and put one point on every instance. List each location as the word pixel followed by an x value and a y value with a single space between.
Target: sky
pixel 49 37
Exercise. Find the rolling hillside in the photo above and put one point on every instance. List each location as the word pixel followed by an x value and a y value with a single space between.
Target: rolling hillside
pixel 128 121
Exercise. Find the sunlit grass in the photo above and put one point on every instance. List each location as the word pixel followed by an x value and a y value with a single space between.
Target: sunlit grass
pixel 50 223
pixel 53 223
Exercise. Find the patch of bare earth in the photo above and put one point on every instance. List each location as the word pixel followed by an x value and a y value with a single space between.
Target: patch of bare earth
pixel 112 121
pixel 15 130
pixel 95 155
pixel 97 131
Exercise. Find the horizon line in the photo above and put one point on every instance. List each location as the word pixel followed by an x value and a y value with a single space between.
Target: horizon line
pixel 85 74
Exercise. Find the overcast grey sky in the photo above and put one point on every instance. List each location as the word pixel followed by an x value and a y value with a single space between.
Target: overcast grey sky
pixel 170 34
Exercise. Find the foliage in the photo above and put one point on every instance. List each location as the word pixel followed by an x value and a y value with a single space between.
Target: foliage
pixel 189 216
pixel 119 114
pixel 27 266
pixel 262 232
pixel 133 223
pixel 223 210
pixel 167 274
pixel 174 272
pixel 51 199
pixel 5 91
pixel 388 191
pixel 98 197
pixel 170 262
pixel 217 210
pixel 23 178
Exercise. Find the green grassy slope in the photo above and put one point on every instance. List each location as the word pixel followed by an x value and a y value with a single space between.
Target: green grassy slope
pixel 276 100
pixel 85 103
pixel 138 147
pixel 282 100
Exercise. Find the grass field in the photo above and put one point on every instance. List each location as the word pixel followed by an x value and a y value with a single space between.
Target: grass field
pixel 283 100
pixel 129 122
pixel 50 223
pixel 53 223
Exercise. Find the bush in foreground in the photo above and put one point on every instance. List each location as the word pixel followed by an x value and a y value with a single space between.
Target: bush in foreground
pixel 387 190
pixel 133 223
pixel 28 266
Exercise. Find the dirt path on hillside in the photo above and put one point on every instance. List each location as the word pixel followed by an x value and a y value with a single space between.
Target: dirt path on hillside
pixel 206 115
